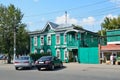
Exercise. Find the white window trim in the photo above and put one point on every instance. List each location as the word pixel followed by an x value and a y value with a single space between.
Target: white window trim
pixel 41 40
pixel 49 42
pixel 65 38
pixel 35 41
pixel 67 54
pixel 59 39
pixel 41 51
pixel 59 53
pixel 35 51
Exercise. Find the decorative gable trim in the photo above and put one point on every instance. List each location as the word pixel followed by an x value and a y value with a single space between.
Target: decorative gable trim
pixel 51 27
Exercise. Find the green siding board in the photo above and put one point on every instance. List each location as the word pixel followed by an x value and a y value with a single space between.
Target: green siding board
pixel 32 45
pixel 61 38
pixel 62 54
pixel 53 43
pixel 111 35
pixel 38 42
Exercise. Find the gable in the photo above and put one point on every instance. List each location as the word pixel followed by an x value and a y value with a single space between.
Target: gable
pixel 49 27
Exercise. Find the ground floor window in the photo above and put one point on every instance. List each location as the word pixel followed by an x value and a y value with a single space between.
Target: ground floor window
pixel 65 54
pixel 41 51
pixel 58 53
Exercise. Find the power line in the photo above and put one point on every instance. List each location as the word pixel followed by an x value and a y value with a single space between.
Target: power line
pixel 70 9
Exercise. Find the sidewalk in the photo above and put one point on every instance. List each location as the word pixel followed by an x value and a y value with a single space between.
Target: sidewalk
pixel 3 61
pixel 97 66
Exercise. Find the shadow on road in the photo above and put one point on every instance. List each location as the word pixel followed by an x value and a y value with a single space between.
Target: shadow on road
pixel 43 69
pixel 56 69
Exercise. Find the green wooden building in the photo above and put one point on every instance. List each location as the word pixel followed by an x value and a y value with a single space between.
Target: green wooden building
pixel 112 46
pixel 69 43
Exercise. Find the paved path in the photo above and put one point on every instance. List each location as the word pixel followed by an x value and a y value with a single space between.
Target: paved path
pixel 70 71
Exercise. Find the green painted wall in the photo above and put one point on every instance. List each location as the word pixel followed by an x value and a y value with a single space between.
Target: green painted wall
pixel 62 54
pixel 61 39
pixel 53 43
pixel 32 45
pixel 90 40
pixel 112 35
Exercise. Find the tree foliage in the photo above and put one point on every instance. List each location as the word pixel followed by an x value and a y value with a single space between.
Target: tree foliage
pixel 10 19
pixel 111 23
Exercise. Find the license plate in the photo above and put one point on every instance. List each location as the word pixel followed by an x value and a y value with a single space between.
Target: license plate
pixel 41 62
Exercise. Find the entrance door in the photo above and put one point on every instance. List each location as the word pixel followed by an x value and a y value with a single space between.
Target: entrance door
pixel 75 55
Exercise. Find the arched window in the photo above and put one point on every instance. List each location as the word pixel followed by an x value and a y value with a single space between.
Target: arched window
pixel 35 51
pixel 58 53
pixel 49 51
pixel 66 56
pixel 41 51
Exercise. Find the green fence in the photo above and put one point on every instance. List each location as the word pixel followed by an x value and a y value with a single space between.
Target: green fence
pixel 88 55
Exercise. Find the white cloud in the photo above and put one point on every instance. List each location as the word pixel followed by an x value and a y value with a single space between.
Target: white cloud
pixel 117 2
pixel 30 23
pixel 35 0
pixel 61 20
pixel 111 16
pixel 88 21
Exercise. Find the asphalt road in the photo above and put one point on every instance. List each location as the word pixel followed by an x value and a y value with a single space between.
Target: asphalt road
pixel 72 71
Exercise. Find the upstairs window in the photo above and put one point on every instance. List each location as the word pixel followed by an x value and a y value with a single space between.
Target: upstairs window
pixel 42 40
pixel 57 39
pixel 49 39
pixel 35 41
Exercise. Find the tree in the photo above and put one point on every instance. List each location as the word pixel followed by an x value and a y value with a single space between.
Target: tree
pixel 111 23
pixel 10 19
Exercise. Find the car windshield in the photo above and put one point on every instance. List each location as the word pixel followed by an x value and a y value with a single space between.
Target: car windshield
pixel 23 58
pixel 45 58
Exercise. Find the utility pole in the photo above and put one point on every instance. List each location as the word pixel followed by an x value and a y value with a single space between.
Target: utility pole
pixel 14 42
pixel 65 17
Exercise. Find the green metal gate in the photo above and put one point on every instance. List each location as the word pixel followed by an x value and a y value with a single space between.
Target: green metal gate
pixel 88 55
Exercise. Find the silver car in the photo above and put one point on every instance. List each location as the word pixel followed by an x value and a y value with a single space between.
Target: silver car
pixel 23 62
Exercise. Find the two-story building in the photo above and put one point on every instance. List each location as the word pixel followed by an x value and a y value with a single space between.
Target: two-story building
pixel 112 47
pixel 66 42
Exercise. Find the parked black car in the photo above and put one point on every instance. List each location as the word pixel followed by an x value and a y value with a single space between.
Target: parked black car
pixel 48 62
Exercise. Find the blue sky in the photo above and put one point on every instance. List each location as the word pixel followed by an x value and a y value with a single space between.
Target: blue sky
pixel 87 13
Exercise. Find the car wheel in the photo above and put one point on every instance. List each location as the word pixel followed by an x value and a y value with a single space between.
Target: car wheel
pixel 52 67
pixel 38 68
pixel 16 68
